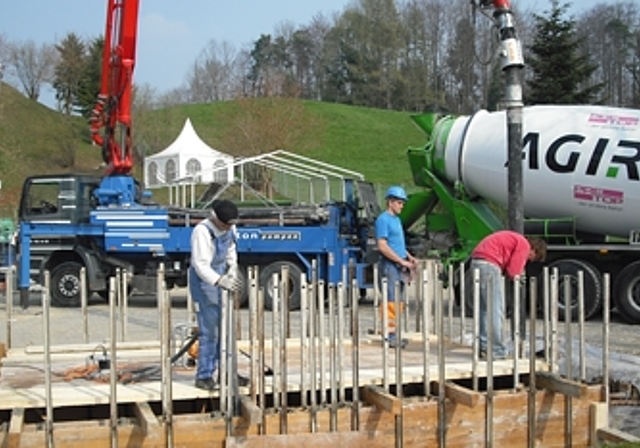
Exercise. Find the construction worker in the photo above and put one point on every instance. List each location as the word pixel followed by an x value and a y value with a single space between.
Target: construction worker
pixel 502 253
pixel 214 262
pixel 396 263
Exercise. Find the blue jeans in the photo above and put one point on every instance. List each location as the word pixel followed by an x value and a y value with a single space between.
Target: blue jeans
pixel 209 313
pixel 393 274
pixel 491 279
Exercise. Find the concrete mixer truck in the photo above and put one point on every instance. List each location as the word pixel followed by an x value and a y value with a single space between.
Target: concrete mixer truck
pixel 581 182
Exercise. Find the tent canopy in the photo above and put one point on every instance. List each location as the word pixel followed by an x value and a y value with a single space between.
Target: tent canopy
pixel 187 160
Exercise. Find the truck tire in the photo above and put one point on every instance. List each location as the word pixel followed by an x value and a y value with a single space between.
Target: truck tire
pixel 266 282
pixel 626 293
pixel 592 287
pixel 65 284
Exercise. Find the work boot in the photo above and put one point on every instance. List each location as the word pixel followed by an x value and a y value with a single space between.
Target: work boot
pixel 207 384
pixel 243 381
pixel 393 341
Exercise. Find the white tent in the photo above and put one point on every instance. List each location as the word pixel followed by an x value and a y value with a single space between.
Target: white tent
pixel 188 160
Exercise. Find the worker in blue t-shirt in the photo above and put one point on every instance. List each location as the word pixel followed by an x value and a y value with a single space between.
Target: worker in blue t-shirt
pixel 396 263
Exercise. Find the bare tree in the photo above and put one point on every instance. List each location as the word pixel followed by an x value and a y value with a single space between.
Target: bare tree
pixel 33 66
pixel 214 76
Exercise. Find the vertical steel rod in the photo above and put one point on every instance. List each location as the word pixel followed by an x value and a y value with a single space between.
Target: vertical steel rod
pixel 451 296
pixel 47 360
pixel 323 343
pixel 581 338
pixel 284 333
pixel 83 304
pixel 333 425
pixel 124 305
pixel 442 417
pixel 9 298
pixel 313 383
pixel 516 332
pixel 275 332
pixel 355 356
pixel 606 309
pixel 554 320
pixel 476 327
pixel 340 342
pixel 376 300
pixel 223 361
pixel 568 315
pixel 385 335
pixel 463 295
pixel 304 341
pixel 546 313
pixel 489 403
pixel 167 376
pixel 531 404
pixel 113 334
pixel 426 316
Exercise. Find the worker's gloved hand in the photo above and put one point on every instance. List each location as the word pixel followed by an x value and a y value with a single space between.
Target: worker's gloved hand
pixel 229 282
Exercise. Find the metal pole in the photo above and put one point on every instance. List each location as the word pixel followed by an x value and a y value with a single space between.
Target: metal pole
pixel 304 340
pixel 516 332
pixel 427 287
pixel 9 299
pixel 47 361
pixel 323 342
pixel 376 300
pixel 569 356
pixel 605 335
pixel 167 376
pixel 463 295
pixel 284 333
pixel 113 397
pixel 442 417
pixel 531 405
pixel 340 342
pixel 333 424
pixel 512 65
pixel 554 320
pixel 124 306
pixel 385 335
pixel 581 339
pixel 355 357
pixel 476 327
pixel 84 304
pixel 489 403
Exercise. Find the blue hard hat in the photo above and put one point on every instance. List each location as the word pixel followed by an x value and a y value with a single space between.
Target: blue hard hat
pixel 396 192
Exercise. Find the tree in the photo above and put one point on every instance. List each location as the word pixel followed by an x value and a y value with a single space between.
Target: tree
pixel 69 71
pixel 91 74
pixel 33 66
pixel 561 73
pixel 215 74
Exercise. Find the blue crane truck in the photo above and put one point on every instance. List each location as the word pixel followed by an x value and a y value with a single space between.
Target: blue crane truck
pixel 65 225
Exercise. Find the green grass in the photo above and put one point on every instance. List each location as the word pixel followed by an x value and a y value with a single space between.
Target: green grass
pixel 33 139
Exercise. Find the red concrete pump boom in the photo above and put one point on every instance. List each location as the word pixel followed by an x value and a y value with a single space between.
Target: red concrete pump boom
pixel 111 117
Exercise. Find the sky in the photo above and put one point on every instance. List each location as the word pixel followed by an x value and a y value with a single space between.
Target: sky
pixel 172 33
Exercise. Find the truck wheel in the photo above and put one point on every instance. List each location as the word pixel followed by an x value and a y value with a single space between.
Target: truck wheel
pixel 592 288
pixel 65 284
pixel 266 282
pixel 626 294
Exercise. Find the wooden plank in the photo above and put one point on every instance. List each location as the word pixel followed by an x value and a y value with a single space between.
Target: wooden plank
pixel 250 411
pixel 599 418
pixel 316 440
pixel 551 382
pixel 616 436
pixel 147 420
pixel 461 395
pixel 15 428
pixel 376 396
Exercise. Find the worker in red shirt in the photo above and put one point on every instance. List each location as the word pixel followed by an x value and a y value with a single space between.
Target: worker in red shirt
pixel 503 253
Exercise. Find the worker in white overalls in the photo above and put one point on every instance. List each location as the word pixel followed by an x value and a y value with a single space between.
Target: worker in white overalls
pixel 214 267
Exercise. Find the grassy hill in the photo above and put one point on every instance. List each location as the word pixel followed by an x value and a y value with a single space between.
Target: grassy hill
pixel 37 140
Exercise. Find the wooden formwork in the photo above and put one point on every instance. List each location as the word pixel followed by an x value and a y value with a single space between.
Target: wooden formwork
pixel 411 422
pixel 451 413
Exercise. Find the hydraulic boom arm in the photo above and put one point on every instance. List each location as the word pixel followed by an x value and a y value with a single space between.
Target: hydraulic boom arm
pixel 111 117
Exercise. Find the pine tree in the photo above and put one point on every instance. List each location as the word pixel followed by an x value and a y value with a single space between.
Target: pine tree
pixel 561 73
pixel 68 71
